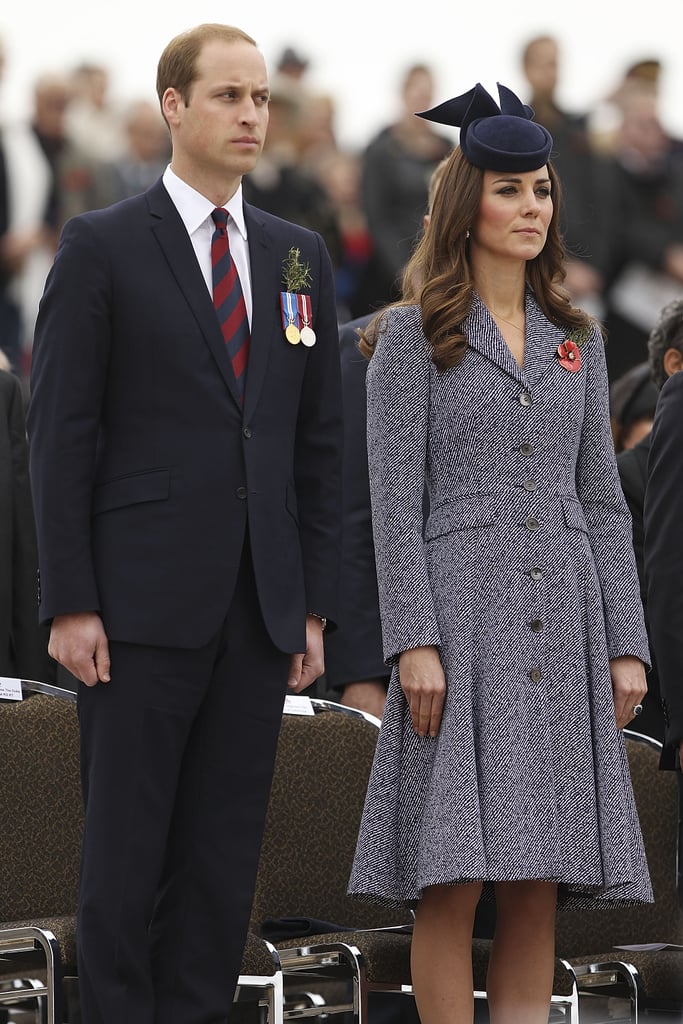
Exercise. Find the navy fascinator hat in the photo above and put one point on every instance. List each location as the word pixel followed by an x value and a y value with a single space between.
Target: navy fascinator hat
pixel 491 137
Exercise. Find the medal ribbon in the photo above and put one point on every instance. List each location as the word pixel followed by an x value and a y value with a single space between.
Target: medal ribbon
pixel 290 314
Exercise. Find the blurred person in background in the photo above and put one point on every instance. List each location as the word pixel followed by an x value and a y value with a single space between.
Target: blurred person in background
pixel 338 172
pixel 94 122
pixel 396 167
pixel 23 642
pixel 585 222
pixel 24 189
pixel 665 357
pixel 646 185
pixel 56 180
pixel 147 149
pixel 662 517
pixel 279 185
pixel 632 399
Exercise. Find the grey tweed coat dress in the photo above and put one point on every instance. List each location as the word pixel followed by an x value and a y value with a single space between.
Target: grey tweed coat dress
pixel 525 580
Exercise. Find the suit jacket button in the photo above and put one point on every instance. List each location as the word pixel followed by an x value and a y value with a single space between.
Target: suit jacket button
pixel 241 492
pixel 527 448
pixel 535 675
pixel 536 625
pixel 536 573
pixel 530 485
pixel 532 524
pixel 525 398
pixel 246 432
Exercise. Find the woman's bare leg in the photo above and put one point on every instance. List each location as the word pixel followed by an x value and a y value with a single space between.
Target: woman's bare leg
pixel 520 974
pixel 441 956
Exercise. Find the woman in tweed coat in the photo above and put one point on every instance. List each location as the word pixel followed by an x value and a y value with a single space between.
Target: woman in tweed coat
pixel 512 618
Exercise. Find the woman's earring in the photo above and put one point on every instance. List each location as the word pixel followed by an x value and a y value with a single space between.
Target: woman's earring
pixel 467 233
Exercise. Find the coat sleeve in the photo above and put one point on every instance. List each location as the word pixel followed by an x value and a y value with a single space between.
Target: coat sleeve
pixel 607 515
pixel 398 422
pixel 663 554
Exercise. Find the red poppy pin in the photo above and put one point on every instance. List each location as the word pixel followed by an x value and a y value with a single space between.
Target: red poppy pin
pixel 569 355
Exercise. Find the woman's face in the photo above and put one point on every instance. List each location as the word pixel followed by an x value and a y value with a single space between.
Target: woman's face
pixel 515 211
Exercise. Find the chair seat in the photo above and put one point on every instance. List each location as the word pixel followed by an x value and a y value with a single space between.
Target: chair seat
pixel 64 931
pixel 257 958
pixel 386 954
pixel 660 971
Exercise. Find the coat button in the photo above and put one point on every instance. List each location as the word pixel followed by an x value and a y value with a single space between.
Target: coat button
pixel 535 675
pixel 530 485
pixel 526 448
pixel 532 524
pixel 525 398
pixel 536 573
pixel 246 432
pixel 536 625
pixel 241 492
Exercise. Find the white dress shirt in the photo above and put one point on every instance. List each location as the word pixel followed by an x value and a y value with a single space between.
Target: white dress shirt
pixel 195 211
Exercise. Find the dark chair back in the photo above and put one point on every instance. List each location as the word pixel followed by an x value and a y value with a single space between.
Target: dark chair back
pixel 41 816
pixel 321 775
pixel 582 932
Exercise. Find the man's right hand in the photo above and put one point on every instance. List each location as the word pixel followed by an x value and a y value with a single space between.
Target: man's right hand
pixel 79 643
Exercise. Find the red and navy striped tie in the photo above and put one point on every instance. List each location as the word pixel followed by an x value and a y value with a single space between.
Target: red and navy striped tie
pixel 228 300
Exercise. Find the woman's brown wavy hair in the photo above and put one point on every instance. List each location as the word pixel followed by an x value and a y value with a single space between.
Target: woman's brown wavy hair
pixel 441 261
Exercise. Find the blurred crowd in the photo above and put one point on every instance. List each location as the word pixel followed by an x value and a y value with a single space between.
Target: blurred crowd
pixel 621 172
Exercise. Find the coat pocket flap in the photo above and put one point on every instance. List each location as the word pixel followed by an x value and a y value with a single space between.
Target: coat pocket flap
pixel 468 513
pixel 131 490
pixel 573 515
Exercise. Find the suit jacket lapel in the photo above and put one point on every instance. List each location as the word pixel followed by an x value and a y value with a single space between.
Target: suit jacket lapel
pixel 265 320
pixel 177 249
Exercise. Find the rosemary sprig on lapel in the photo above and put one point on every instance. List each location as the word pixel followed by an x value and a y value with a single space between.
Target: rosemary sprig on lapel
pixel 295 275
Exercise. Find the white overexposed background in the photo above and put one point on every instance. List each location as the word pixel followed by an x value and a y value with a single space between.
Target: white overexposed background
pixel 358 49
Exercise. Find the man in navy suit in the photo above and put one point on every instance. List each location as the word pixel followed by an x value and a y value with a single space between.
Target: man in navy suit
pixel 188 536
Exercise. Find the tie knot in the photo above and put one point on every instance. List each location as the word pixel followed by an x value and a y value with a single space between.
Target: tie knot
pixel 220 218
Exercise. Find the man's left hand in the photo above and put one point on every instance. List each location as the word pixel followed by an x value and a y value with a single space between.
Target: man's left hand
pixel 304 669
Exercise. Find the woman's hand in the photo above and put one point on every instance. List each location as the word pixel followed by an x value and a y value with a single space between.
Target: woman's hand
pixel 628 686
pixel 424 685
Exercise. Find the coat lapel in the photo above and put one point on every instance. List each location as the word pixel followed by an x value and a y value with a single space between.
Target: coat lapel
pixel 177 249
pixel 542 339
pixel 540 343
pixel 483 335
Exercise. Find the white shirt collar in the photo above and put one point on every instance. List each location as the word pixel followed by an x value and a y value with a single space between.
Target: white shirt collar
pixel 195 209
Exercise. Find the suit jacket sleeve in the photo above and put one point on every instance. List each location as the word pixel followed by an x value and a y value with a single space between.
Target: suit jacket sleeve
pixel 68 378
pixel 607 515
pixel 398 385
pixel 663 554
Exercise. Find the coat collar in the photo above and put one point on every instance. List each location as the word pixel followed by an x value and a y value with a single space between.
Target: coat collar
pixel 540 345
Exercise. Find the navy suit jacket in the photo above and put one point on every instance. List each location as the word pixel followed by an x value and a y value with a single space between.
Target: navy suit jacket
pixel 147 473
pixel 663 557
pixel 354 652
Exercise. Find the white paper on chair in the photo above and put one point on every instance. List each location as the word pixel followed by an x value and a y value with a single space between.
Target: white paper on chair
pixel 10 689
pixel 298 704
pixel 650 947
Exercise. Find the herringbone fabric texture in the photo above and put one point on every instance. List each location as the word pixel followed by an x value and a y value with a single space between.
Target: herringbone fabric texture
pixel 524 578
pixel 228 299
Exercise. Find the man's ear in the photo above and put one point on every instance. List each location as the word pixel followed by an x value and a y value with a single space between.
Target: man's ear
pixel 171 101
pixel 673 361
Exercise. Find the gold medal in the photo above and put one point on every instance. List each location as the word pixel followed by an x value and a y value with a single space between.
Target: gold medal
pixel 307 336
pixel 292 333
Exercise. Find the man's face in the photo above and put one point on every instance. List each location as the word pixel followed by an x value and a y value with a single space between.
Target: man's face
pixel 221 131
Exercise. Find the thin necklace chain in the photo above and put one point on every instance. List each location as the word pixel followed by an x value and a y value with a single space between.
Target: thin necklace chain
pixel 506 321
